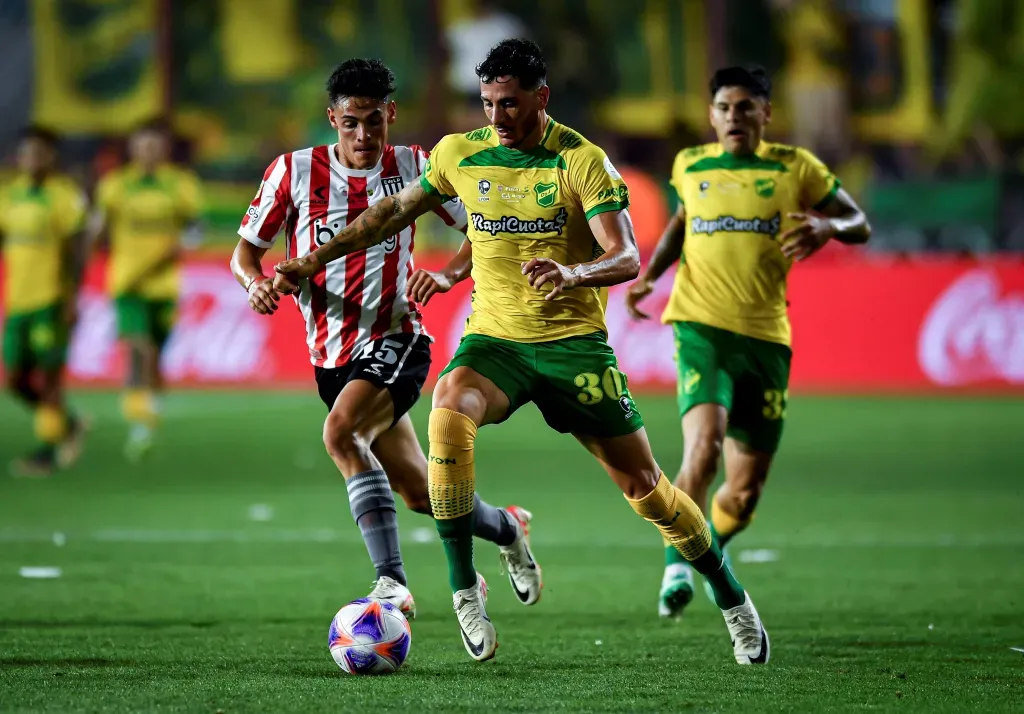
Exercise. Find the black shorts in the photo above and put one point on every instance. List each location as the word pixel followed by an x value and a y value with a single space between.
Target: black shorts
pixel 398 363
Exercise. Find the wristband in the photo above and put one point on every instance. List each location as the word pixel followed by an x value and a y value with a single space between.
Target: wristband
pixel 255 279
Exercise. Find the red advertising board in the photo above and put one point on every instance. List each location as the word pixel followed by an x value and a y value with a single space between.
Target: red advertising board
pixel 859 323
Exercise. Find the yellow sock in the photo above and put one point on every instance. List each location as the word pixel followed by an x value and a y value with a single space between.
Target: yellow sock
pixel 451 482
pixel 680 521
pixel 726 525
pixel 139 407
pixel 51 424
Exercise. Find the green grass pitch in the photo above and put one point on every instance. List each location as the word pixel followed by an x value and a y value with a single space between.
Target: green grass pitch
pixel 897 584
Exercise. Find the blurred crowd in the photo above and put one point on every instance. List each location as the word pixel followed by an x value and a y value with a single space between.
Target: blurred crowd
pixel 911 101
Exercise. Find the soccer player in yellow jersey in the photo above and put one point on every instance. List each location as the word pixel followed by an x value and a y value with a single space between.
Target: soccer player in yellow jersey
pixel 548 227
pixel 747 209
pixel 41 220
pixel 145 206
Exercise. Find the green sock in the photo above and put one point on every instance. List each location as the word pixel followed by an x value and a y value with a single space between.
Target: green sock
pixel 673 556
pixel 457 539
pixel 728 592
pixel 720 539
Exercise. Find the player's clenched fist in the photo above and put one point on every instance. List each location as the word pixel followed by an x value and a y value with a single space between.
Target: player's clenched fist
pixel 290 272
pixel 263 297
pixel 637 292
pixel 424 284
pixel 807 237
pixel 544 270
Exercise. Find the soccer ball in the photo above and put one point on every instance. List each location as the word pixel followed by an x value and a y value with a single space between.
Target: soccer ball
pixel 369 637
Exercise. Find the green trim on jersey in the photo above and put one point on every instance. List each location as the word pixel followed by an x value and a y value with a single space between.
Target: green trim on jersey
pixel 836 185
pixel 608 206
pixel 731 162
pixel 535 158
pixel 430 189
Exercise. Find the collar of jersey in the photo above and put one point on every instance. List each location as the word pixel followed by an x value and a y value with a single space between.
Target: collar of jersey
pixel 345 171
pixel 540 151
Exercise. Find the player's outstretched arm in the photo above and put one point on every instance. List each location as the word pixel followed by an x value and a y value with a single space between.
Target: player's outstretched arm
pixel 667 252
pixel 248 271
pixel 842 219
pixel 620 262
pixel 424 284
pixel 375 225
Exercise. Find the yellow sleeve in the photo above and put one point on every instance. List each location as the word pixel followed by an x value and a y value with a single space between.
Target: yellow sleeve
pixel 189 197
pixel 596 182
pixel 436 178
pixel 3 209
pixel 108 194
pixel 678 171
pixel 71 210
pixel 818 185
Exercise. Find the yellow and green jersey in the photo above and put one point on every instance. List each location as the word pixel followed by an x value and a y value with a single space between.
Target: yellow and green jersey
pixel 732 274
pixel 145 214
pixel 523 205
pixel 37 221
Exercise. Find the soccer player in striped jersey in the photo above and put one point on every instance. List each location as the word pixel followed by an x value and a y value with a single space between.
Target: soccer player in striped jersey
pixel 370 351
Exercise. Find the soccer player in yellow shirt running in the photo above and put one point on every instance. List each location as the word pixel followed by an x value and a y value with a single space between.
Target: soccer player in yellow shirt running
pixel 145 206
pixel 549 227
pixel 41 219
pixel 747 209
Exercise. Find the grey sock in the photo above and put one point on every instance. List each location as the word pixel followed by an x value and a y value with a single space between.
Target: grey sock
pixel 373 507
pixel 493 524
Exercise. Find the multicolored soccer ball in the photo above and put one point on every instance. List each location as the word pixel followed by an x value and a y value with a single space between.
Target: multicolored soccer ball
pixel 369 637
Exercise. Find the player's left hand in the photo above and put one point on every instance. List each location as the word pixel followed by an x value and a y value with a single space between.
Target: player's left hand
pixel 288 273
pixel 807 237
pixel 544 270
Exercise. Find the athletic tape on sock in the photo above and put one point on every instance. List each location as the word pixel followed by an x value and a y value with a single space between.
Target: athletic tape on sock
pixel 677 517
pixel 450 470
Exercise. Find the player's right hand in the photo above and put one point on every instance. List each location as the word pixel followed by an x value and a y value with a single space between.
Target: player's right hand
pixel 637 292
pixel 263 297
pixel 424 284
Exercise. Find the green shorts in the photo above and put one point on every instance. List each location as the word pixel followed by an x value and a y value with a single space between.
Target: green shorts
pixel 747 376
pixel 142 317
pixel 37 339
pixel 575 382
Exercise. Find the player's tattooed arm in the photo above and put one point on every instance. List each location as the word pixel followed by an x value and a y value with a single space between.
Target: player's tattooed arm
pixel 841 219
pixel 619 263
pixel 667 252
pixel 375 225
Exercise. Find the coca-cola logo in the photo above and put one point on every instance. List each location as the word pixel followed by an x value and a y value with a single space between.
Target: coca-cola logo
pixel 971 334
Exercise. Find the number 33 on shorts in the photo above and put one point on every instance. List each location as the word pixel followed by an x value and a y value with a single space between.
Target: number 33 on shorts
pixel 775 404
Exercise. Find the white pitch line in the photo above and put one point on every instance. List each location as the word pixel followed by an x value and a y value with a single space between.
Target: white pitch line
pixel 415 536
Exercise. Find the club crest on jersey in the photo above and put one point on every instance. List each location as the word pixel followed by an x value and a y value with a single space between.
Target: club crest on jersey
pixel 732 224
pixel 546 194
pixel 392 185
pixel 765 188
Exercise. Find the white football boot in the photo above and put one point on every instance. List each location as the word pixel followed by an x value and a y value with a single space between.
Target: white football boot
pixel 749 639
pixel 392 591
pixel 478 634
pixel 523 572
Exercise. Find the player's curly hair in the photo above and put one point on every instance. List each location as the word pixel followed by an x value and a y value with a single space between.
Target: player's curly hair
pixel 751 77
pixel 519 58
pixel 360 78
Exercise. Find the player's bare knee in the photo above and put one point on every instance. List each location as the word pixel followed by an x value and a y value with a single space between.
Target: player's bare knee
pixel 702 459
pixel 343 440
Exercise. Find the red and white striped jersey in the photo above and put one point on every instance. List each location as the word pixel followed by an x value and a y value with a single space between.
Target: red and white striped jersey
pixel 361 297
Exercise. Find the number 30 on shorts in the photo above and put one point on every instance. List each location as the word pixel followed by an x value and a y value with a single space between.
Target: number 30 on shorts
pixel 595 388
pixel 775 404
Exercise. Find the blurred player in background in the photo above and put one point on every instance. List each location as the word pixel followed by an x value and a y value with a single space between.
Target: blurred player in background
pixel 747 209
pixel 146 207
pixel 41 220
pixel 549 227
pixel 371 353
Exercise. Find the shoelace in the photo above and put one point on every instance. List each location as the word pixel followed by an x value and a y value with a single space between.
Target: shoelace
pixel 750 634
pixel 380 589
pixel 468 611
